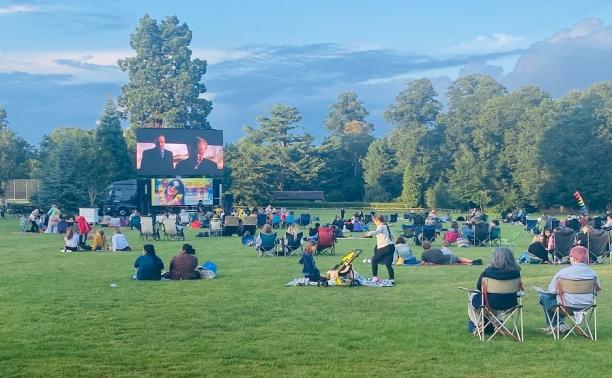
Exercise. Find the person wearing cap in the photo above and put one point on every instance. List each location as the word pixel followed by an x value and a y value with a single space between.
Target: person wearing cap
pixel 578 270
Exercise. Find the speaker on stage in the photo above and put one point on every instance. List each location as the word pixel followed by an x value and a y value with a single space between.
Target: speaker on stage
pixel 228 203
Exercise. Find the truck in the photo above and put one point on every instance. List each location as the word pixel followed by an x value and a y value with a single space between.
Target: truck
pixel 135 194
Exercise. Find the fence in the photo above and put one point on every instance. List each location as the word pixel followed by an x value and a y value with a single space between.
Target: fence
pixel 21 190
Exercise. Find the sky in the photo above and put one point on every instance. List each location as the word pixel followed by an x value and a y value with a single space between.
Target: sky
pixel 58 59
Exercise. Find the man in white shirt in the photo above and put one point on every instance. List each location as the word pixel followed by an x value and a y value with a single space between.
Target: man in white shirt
pixel 578 270
pixel 119 241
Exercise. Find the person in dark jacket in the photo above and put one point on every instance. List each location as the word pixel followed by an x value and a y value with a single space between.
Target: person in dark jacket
pixel 309 268
pixel 502 267
pixel 149 265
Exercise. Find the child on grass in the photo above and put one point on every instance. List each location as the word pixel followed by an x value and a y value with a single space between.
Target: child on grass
pixel 309 267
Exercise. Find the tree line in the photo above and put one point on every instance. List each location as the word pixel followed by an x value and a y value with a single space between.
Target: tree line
pixel 488 146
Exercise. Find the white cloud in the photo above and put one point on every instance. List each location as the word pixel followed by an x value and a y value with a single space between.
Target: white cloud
pixel 91 65
pixel 20 8
pixel 494 42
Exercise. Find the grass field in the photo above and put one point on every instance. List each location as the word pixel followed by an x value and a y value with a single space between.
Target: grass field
pixel 59 317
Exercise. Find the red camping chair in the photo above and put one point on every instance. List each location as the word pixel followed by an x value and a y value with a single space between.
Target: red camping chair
pixel 327 241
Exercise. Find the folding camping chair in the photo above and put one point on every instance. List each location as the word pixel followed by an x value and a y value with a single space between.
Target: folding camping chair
pixel 268 246
pixel 147 229
pixel 215 228
pixel 574 224
pixel 564 240
pixel 583 320
pixel 495 236
pixel 393 218
pixel 292 243
pixel 326 244
pixel 408 231
pixel 304 220
pixel 261 219
pixel 481 234
pixel 276 220
pixel 598 244
pixel 231 225
pixel 171 231
pixel 428 233
pixel 249 224
pixel 531 226
pixel 504 322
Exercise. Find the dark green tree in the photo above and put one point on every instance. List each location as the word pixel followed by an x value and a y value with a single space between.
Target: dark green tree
pixel 348 115
pixel 15 153
pixel 111 146
pixel 165 83
pixel 382 180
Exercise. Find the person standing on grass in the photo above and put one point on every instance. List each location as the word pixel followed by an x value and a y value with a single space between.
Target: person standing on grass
pixel 149 265
pixel 383 252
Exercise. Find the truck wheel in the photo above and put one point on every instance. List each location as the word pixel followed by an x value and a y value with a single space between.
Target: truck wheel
pixel 122 211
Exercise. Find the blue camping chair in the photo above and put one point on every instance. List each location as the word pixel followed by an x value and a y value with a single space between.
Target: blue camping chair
pixel 531 225
pixel 269 245
pixel 276 220
pixel 261 219
pixel 304 220
pixel 408 231
pixel 429 233
pixel 290 219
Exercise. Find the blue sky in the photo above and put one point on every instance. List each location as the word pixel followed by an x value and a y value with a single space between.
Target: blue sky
pixel 58 58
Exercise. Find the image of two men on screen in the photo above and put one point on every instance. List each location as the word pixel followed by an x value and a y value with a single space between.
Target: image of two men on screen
pixel 179 152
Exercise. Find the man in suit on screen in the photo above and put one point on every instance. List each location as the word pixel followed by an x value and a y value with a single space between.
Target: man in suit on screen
pixel 196 163
pixel 157 160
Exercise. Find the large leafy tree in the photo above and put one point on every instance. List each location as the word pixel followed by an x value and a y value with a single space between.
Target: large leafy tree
pixel 416 137
pixel 273 157
pixel 15 153
pixel 165 83
pixel 344 149
pixel 382 180
pixel 68 171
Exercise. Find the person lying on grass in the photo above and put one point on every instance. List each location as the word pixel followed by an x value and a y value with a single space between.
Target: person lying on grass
pixel 309 268
pixel 434 256
pixel 149 265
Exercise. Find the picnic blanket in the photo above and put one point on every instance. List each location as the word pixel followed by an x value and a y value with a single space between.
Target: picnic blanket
pixel 363 281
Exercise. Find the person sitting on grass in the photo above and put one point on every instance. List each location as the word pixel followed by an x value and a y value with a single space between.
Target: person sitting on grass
pixel 309 268
pixel 98 242
pixel 119 241
pixel 538 246
pixel 402 250
pixel 72 241
pixel 434 256
pixel 502 267
pixel 183 266
pixel 149 265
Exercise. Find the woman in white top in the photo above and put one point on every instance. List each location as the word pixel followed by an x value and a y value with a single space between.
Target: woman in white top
pixel 72 241
pixel 383 253
pixel 119 241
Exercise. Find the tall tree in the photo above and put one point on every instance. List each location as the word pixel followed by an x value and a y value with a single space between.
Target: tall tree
pixel 345 112
pixel 111 149
pixel 382 180
pixel 15 153
pixel 165 83
pixel 273 157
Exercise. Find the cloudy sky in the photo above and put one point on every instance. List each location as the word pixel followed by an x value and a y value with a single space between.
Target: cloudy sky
pixel 58 58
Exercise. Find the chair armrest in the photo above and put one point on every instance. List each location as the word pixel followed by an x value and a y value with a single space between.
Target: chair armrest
pixel 469 290
pixel 542 291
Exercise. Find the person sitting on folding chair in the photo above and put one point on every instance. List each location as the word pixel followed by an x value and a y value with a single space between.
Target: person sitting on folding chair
pixel 502 267
pixel 578 270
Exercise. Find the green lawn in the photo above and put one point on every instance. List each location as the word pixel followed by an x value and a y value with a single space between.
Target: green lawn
pixel 59 316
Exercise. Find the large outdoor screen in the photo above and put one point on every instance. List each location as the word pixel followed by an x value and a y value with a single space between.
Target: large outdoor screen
pixel 181 192
pixel 179 152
